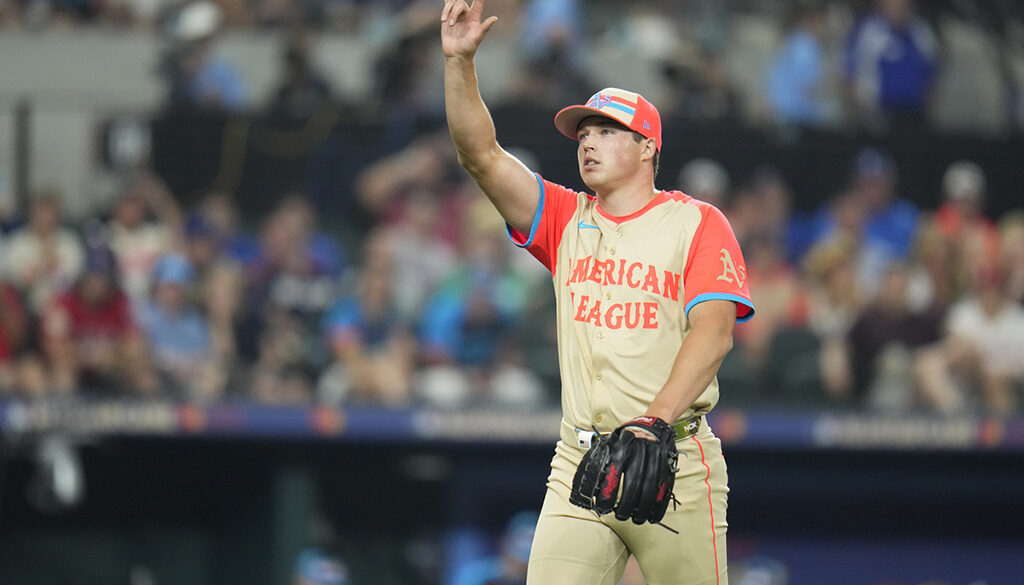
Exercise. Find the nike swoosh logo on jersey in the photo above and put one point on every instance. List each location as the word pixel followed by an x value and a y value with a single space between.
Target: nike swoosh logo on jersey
pixel 584 224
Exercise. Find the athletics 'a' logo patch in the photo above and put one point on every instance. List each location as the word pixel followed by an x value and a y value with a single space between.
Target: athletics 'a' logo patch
pixel 731 272
pixel 599 101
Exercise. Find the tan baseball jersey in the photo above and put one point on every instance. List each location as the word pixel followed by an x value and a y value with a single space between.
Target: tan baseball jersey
pixel 624 287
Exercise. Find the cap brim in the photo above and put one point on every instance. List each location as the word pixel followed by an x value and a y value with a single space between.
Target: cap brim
pixel 567 120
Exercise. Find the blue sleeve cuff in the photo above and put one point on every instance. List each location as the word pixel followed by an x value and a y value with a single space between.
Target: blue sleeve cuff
pixel 722 297
pixel 536 219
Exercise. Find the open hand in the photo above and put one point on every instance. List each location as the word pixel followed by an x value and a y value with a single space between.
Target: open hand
pixel 462 30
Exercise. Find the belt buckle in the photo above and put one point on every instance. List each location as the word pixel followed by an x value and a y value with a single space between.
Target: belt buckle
pixel 688 427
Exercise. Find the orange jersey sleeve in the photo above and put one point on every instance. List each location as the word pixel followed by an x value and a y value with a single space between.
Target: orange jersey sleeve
pixel 556 207
pixel 715 268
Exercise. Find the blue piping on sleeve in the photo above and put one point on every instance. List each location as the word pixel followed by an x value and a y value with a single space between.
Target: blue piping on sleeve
pixel 536 218
pixel 724 297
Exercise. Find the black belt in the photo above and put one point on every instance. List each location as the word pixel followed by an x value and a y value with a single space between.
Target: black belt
pixel 684 428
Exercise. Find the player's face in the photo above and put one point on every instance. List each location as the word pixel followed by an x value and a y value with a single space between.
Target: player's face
pixel 608 155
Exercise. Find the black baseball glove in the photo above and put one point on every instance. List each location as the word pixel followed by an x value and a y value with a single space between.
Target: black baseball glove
pixel 645 469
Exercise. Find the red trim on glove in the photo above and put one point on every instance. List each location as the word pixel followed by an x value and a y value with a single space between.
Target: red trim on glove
pixel 647 421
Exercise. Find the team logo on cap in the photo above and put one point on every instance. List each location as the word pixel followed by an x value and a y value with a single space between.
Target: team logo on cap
pixel 599 101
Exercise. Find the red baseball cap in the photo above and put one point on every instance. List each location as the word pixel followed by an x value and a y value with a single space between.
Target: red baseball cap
pixel 630 109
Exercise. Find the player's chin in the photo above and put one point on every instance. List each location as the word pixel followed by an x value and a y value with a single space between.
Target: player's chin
pixel 590 179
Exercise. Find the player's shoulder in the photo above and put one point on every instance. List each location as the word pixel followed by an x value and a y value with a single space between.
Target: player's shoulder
pixel 680 197
pixel 552 188
pixel 683 200
pixel 563 201
pixel 702 217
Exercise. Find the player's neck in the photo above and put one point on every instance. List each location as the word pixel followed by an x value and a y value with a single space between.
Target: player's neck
pixel 627 199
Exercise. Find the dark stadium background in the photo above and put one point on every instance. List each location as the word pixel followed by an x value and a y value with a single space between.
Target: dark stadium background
pixel 172 491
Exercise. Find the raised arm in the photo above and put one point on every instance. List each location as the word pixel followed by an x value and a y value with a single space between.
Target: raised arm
pixel 509 185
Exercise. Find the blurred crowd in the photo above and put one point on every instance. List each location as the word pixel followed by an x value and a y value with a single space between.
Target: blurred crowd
pixel 866 301
pixel 869 64
pixel 154 300
pixel 871 302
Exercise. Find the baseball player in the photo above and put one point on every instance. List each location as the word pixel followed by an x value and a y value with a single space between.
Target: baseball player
pixel 649 286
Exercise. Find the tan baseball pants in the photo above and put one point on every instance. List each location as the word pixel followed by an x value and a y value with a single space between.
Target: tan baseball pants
pixel 573 546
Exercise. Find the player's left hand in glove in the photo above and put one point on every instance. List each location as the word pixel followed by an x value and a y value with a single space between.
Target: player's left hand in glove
pixel 628 474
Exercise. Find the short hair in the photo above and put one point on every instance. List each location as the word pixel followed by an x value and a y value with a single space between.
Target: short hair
pixel 656 161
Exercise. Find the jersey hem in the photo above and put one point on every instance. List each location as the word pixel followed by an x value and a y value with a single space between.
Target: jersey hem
pixel 743 301
pixel 515 235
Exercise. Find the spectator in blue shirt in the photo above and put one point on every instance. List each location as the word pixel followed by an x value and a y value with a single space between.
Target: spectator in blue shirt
pixel 177 334
pixel 197 76
pixel 796 74
pixel 371 342
pixel 552 30
pixel 886 223
pixel 890 63
pixel 891 220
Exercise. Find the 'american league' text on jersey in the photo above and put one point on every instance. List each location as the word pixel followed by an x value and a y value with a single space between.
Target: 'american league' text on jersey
pixel 624 287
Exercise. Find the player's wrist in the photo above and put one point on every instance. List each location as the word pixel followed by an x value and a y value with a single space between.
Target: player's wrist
pixel 649 427
pixel 460 59
pixel 660 413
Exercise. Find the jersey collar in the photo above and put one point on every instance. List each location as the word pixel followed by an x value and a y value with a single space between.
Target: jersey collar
pixel 657 200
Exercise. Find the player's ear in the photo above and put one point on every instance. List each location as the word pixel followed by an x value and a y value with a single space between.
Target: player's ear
pixel 649 150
